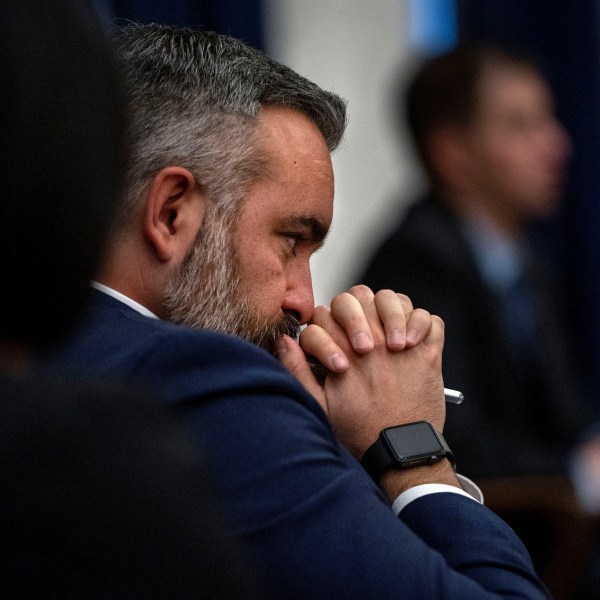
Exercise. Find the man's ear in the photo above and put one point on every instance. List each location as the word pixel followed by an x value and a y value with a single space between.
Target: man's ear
pixel 173 214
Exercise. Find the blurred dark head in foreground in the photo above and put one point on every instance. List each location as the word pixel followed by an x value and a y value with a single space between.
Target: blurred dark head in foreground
pixel 61 127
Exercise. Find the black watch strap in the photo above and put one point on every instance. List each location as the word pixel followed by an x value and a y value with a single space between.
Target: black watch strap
pixel 406 446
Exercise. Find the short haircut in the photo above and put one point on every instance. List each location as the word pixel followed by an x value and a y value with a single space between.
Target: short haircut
pixel 62 122
pixel 444 89
pixel 195 99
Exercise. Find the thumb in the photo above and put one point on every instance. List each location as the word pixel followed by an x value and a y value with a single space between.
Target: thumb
pixel 294 360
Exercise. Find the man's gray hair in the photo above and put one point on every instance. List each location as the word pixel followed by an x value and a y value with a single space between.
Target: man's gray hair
pixel 195 97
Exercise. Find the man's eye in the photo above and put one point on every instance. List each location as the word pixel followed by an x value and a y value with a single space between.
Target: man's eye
pixel 292 239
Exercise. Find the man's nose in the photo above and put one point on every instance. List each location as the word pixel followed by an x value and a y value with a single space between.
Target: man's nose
pixel 299 299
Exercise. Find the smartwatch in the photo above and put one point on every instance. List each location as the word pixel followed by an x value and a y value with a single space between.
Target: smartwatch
pixel 404 447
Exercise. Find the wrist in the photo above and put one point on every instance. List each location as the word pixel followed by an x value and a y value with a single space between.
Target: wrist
pixel 405 446
pixel 396 481
pixel 404 456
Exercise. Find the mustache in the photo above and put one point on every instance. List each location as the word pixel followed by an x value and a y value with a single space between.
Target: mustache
pixel 287 324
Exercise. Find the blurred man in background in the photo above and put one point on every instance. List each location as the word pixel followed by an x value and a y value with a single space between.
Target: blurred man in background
pixel 485 129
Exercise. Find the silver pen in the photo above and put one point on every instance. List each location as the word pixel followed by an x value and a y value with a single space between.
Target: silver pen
pixel 453 396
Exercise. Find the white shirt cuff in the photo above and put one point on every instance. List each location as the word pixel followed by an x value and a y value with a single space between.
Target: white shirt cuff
pixel 469 489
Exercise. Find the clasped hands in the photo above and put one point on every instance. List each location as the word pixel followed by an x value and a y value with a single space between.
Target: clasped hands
pixel 384 359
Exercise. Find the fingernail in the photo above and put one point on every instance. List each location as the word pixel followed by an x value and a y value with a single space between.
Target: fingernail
pixel 396 338
pixel 362 341
pixel 339 362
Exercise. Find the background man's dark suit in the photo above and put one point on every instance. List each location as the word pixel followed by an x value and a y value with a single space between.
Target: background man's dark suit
pixel 311 517
pixel 521 414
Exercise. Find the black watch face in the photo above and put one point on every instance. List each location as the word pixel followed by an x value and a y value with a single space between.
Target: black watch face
pixel 413 440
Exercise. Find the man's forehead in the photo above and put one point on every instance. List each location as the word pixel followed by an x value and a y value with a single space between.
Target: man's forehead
pixel 499 84
pixel 296 190
pixel 278 124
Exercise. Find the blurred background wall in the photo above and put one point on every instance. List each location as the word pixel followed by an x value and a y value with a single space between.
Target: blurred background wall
pixel 358 48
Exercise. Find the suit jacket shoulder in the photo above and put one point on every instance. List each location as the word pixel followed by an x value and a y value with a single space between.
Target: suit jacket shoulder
pixel 309 515
pixel 427 246
pixel 182 363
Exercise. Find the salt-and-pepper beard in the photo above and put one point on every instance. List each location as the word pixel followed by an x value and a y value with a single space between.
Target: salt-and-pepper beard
pixel 207 291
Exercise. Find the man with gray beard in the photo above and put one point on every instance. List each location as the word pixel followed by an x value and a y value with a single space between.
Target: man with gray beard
pixel 208 291
pixel 230 192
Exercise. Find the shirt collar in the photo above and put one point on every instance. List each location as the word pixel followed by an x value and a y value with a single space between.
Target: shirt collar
pixel 124 299
pixel 499 258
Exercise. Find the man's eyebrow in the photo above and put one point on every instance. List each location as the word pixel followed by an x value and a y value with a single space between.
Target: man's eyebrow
pixel 318 230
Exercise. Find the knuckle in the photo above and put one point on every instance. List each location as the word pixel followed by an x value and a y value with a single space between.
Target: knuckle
pixel 341 299
pixel 310 329
pixel 360 289
pixel 312 334
pixel 439 321
pixel 422 314
pixel 363 294
pixel 405 300
pixel 389 306
pixel 385 293
pixel 320 314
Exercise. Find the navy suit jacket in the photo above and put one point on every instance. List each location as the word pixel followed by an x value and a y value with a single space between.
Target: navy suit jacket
pixel 310 516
